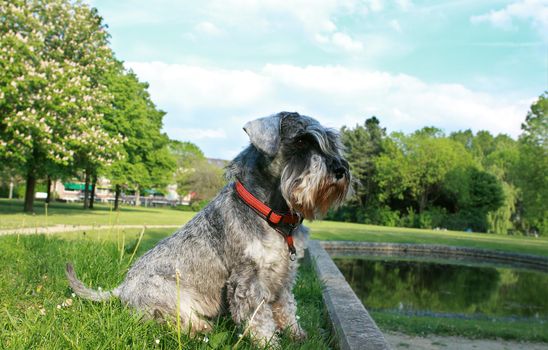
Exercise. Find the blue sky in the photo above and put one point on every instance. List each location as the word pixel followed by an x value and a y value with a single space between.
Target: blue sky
pixel 214 64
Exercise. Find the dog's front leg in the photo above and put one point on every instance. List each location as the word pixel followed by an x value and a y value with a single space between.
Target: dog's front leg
pixel 249 305
pixel 285 314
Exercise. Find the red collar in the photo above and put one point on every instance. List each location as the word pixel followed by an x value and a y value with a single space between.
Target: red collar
pixel 285 224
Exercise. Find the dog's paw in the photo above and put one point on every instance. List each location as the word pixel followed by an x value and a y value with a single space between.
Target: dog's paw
pixel 267 343
pixel 298 334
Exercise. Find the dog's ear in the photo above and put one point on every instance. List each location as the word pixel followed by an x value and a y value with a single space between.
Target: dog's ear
pixel 264 133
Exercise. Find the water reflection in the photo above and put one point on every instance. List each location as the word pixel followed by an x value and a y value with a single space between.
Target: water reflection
pixel 418 286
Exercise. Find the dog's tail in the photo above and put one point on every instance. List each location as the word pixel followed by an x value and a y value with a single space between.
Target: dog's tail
pixel 81 290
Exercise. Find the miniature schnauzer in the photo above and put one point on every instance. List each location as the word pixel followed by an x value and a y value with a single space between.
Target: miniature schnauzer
pixel 238 253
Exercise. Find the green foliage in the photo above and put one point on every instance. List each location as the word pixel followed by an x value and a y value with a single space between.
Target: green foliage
pixel 147 161
pixel 185 153
pixel 52 95
pixel 68 105
pixel 195 173
pixel 531 173
pixel 462 181
pixel 203 178
pixel 363 144
pixel 500 220
pixel 470 194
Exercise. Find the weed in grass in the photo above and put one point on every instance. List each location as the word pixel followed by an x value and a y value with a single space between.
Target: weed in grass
pixel 137 245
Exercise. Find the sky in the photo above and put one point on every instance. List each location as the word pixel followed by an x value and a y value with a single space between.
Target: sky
pixel 213 65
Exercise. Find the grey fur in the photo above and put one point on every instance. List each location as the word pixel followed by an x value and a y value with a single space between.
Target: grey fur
pixel 264 133
pixel 229 258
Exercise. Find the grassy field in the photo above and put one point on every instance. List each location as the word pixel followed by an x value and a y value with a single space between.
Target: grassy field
pixel 520 330
pixel 12 216
pixel 343 231
pixel 38 311
pixel 72 214
pixel 102 256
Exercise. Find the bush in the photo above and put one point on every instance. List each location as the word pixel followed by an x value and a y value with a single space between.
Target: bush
pixel 199 205
pixel 18 190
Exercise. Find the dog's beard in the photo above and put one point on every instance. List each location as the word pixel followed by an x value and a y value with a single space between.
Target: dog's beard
pixel 313 191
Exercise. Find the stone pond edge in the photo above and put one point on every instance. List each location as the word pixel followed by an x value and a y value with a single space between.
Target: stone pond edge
pixel 352 325
pixel 336 248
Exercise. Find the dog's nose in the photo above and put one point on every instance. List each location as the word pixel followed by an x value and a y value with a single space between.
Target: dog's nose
pixel 339 173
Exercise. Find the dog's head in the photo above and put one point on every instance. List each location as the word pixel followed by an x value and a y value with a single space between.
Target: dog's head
pixel 306 157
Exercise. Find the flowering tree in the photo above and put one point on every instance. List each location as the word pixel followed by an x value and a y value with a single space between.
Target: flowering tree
pixel 52 98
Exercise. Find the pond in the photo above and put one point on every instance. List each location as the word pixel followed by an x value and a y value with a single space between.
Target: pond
pixel 446 288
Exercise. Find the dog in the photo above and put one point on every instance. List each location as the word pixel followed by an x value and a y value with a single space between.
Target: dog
pixel 239 253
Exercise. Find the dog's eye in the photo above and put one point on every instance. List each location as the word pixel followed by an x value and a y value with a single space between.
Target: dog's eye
pixel 302 141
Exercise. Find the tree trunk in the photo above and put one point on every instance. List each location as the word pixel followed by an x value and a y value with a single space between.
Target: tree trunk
pixel 137 197
pixel 10 196
pixel 117 197
pixel 48 190
pixel 93 185
pixel 29 191
pixel 423 201
pixel 86 190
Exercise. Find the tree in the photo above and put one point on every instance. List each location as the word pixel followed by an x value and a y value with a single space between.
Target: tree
pixel 417 164
pixel 531 172
pixel 501 162
pixel 472 194
pixel 51 53
pixel 203 178
pixel 497 155
pixel 362 145
pixel 147 161
pixel 194 173
pixel 186 153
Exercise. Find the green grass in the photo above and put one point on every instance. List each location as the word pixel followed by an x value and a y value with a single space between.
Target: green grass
pixel 12 216
pixel 342 231
pixel 520 330
pixel 109 325
pixel 37 310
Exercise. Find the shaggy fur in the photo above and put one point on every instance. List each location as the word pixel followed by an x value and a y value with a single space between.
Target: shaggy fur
pixel 230 259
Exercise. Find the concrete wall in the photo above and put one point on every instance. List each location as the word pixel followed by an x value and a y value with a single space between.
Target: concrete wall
pixel 351 323
pixel 431 251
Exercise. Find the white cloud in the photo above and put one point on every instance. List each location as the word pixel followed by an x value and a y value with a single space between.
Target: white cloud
pixel 404 5
pixel 208 28
pixel 375 5
pixel 316 18
pixel 195 134
pixel 395 24
pixel 535 11
pixel 346 43
pixel 209 105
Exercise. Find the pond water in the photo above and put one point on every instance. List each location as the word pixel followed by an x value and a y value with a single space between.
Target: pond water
pixel 439 288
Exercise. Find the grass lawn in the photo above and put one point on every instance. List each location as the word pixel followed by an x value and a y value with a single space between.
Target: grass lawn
pixel 37 310
pixel 343 231
pixel 29 317
pixel 521 330
pixel 11 216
